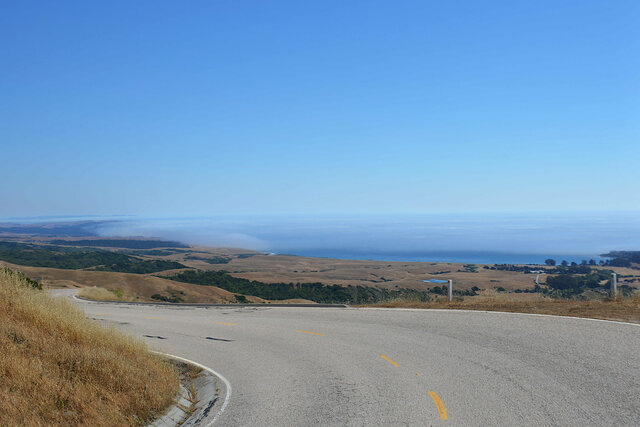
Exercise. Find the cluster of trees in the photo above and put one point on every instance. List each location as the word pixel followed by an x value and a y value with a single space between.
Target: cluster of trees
pixel 573 268
pixel 72 259
pixel 536 288
pixel 563 268
pixel 617 261
pixel 137 266
pixel 210 260
pixel 444 290
pixel 242 299
pixel 566 267
pixel 578 283
pixel 151 252
pixel 469 268
pixel 174 296
pixel 316 292
pixel 510 267
pixel 164 298
pixel 564 263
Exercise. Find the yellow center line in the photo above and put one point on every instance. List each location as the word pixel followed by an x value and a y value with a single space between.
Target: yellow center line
pixel 154 318
pixel 441 411
pixel 389 360
pixel 307 332
pixel 223 323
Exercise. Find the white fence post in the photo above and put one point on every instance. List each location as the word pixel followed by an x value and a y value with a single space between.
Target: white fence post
pixel 450 290
pixel 614 285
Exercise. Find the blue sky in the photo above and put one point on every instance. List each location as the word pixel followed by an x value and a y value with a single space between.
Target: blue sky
pixel 219 107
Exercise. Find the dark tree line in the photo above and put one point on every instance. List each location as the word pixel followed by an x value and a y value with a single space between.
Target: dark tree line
pixel 76 259
pixel 316 292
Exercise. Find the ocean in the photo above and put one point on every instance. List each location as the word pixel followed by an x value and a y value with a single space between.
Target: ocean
pixel 469 238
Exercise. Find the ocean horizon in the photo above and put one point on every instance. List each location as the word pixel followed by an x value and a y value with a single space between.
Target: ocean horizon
pixel 466 238
pixel 470 257
pixel 463 238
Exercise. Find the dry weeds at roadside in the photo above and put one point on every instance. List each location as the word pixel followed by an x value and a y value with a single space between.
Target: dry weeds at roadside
pixel 627 310
pixel 58 368
pixel 97 293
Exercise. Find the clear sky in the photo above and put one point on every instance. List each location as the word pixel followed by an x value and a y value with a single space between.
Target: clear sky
pixel 218 107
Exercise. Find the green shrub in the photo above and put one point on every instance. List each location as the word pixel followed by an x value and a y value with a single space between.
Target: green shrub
pixel 22 277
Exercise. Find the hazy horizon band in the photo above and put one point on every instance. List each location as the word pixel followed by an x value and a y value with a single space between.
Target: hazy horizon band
pixel 488 238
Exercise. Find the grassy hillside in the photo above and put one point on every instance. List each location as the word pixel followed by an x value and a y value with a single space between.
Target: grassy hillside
pixel 58 368
pixel 133 287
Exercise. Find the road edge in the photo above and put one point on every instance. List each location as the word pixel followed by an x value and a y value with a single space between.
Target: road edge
pixel 226 382
pixel 453 310
pixel 204 304
pixel 459 310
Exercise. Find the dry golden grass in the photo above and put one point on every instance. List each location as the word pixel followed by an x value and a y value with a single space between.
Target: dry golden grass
pixel 94 292
pixel 389 275
pixel 626 310
pixel 58 368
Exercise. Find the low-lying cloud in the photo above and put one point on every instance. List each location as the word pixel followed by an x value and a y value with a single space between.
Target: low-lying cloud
pixel 400 235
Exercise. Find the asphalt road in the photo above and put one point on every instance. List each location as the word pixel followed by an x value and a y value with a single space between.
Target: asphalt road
pixel 387 367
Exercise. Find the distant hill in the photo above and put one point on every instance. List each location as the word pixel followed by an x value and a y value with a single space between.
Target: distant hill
pixel 70 229
pixel 121 243
pixel 74 258
pixel 622 258
pixel 633 256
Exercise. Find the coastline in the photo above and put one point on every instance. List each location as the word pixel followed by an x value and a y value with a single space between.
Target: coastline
pixel 454 257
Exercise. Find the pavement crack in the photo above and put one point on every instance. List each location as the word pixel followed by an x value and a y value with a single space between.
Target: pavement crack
pixel 99 319
pixel 218 339
pixel 155 336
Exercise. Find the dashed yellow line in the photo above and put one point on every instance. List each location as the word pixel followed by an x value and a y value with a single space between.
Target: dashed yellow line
pixel 154 318
pixel 223 323
pixel 441 411
pixel 308 332
pixel 389 360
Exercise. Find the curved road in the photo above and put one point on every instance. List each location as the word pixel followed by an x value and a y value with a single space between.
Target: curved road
pixel 343 366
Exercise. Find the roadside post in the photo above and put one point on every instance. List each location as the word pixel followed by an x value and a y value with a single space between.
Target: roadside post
pixel 614 285
pixel 450 290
